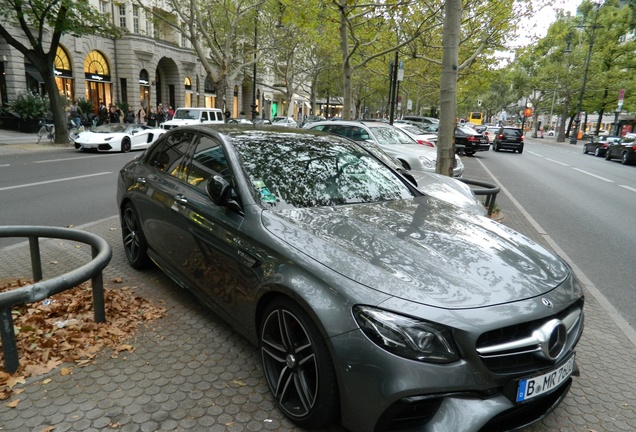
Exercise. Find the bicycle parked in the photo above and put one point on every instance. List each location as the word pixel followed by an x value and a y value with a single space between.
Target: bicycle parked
pixel 48 129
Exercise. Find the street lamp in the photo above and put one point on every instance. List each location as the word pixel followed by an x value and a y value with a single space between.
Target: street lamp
pixel 577 119
pixel 254 71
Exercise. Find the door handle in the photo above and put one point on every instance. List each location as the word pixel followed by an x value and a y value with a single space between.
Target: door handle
pixel 180 199
pixel 141 180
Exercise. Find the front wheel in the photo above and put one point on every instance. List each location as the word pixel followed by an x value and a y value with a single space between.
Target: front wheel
pixel 597 152
pixel 607 155
pixel 584 149
pixel 297 366
pixel 135 245
pixel 624 159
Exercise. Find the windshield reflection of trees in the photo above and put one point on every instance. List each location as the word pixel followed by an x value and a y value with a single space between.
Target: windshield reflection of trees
pixel 314 173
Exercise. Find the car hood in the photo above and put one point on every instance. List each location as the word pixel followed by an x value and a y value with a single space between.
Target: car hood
pixel 422 250
pixel 450 190
pixel 90 136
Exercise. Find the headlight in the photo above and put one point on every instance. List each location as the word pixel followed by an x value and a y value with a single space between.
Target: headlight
pixel 406 337
pixel 427 162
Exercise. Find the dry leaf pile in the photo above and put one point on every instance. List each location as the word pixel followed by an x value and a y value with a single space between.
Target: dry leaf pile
pixel 62 329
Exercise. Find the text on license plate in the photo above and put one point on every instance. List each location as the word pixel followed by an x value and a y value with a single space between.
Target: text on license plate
pixel 536 386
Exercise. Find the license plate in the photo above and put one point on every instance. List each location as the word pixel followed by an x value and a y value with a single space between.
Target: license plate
pixel 536 386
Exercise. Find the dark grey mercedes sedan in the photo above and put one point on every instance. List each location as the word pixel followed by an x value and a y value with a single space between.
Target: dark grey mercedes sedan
pixel 373 305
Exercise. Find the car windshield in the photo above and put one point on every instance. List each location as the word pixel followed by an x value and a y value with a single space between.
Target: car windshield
pixel 391 136
pixel 112 128
pixel 185 114
pixel 299 172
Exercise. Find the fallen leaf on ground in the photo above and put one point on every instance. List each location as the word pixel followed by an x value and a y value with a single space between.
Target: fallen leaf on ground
pixel 62 329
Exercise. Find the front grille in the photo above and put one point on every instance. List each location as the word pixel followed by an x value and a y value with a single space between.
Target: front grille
pixel 513 350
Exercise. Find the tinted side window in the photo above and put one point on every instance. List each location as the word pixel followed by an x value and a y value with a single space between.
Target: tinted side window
pixel 208 160
pixel 219 116
pixel 170 157
pixel 339 130
pixel 204 116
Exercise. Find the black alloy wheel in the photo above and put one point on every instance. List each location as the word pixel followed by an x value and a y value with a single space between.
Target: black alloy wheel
pixel 624 159
pixel 607 155
pixel 297 366
pixel 597 152
pixel 135 245
pixel 125 145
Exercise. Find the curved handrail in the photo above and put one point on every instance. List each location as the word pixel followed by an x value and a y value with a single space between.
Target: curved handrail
pixel 101 255
pixel 490 190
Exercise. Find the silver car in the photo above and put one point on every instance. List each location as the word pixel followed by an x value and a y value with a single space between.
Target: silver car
pixel 373 305
pixel 413 156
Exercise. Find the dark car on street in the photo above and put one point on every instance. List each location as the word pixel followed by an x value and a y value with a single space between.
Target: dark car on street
pixel 508 138
pixel 624 149
pixel 373 305
pixel 469 141
pixel 597 145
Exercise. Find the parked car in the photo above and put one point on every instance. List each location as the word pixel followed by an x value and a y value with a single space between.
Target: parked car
pixel 419 135
pixel 399 144
pixel 491 132
pixel 312 119
pixel 624 149
pixel 598 144
pixel 284 121
pixel 446 188
pixel 260 121
pixel 194 115
pixel 469 141
pixel 508 138
pixel 372 305
pixel 117 137
pixel 238 121
pixel 421 120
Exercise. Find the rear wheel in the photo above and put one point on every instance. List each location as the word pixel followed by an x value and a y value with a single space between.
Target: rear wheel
pixel 584 149
pixel 135 245
pixel 469 152
pixel 125 145
pixel 297 366
pixel 520 150
pixel 624 159
pixel 607 155
pixel 597 152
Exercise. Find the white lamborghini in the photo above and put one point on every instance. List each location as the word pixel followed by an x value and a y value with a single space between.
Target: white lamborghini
pixel 117 137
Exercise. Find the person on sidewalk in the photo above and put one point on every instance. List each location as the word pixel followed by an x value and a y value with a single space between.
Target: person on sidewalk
pixel 102 114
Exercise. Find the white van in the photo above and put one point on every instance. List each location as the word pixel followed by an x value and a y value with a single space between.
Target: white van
pixel 193 116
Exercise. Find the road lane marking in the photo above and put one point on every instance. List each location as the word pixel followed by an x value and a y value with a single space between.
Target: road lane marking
pixel 68 159
pixel 628 188
pixel 535 154
pixel 5 165
pixel 594 175
pixel 54 181
pixel 557 162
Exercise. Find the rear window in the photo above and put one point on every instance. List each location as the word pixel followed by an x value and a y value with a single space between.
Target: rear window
pixel 512 132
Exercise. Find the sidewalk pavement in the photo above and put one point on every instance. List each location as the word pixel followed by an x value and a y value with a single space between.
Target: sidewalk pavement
pixel 190 372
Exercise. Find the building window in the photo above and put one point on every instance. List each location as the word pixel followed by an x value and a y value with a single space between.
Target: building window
pixel 136 19
pixel 103 7
pixel 122 16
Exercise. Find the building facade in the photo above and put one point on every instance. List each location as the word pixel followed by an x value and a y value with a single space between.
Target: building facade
pixel 151 64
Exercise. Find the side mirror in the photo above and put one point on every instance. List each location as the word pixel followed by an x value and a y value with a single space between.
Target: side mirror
pixel 222 194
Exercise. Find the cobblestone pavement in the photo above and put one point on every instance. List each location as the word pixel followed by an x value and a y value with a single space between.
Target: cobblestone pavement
pixel 189 371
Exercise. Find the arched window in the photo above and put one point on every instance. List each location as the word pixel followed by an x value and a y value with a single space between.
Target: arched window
pixel 96 64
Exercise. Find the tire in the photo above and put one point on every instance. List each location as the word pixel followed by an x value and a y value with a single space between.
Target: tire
pixel 297 366
pixel 469 152
pixel 41 133
pixel 520 150
pixel 135 245
pixel 597 152
pixel 624 159
pixel 125 145
pixel 584 149
pixel 607 155
pixel 496 147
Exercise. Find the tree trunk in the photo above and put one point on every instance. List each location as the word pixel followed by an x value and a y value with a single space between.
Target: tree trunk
pixel 448 88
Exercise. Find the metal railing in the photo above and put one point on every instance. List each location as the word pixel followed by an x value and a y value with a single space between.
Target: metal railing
pixel 490 190
pixel 101 255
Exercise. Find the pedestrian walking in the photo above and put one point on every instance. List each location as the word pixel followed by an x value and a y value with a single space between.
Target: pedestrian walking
pixel 152 118
pixel 75 114
pixel 102 114
pixel 129 118
pixel 113 116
